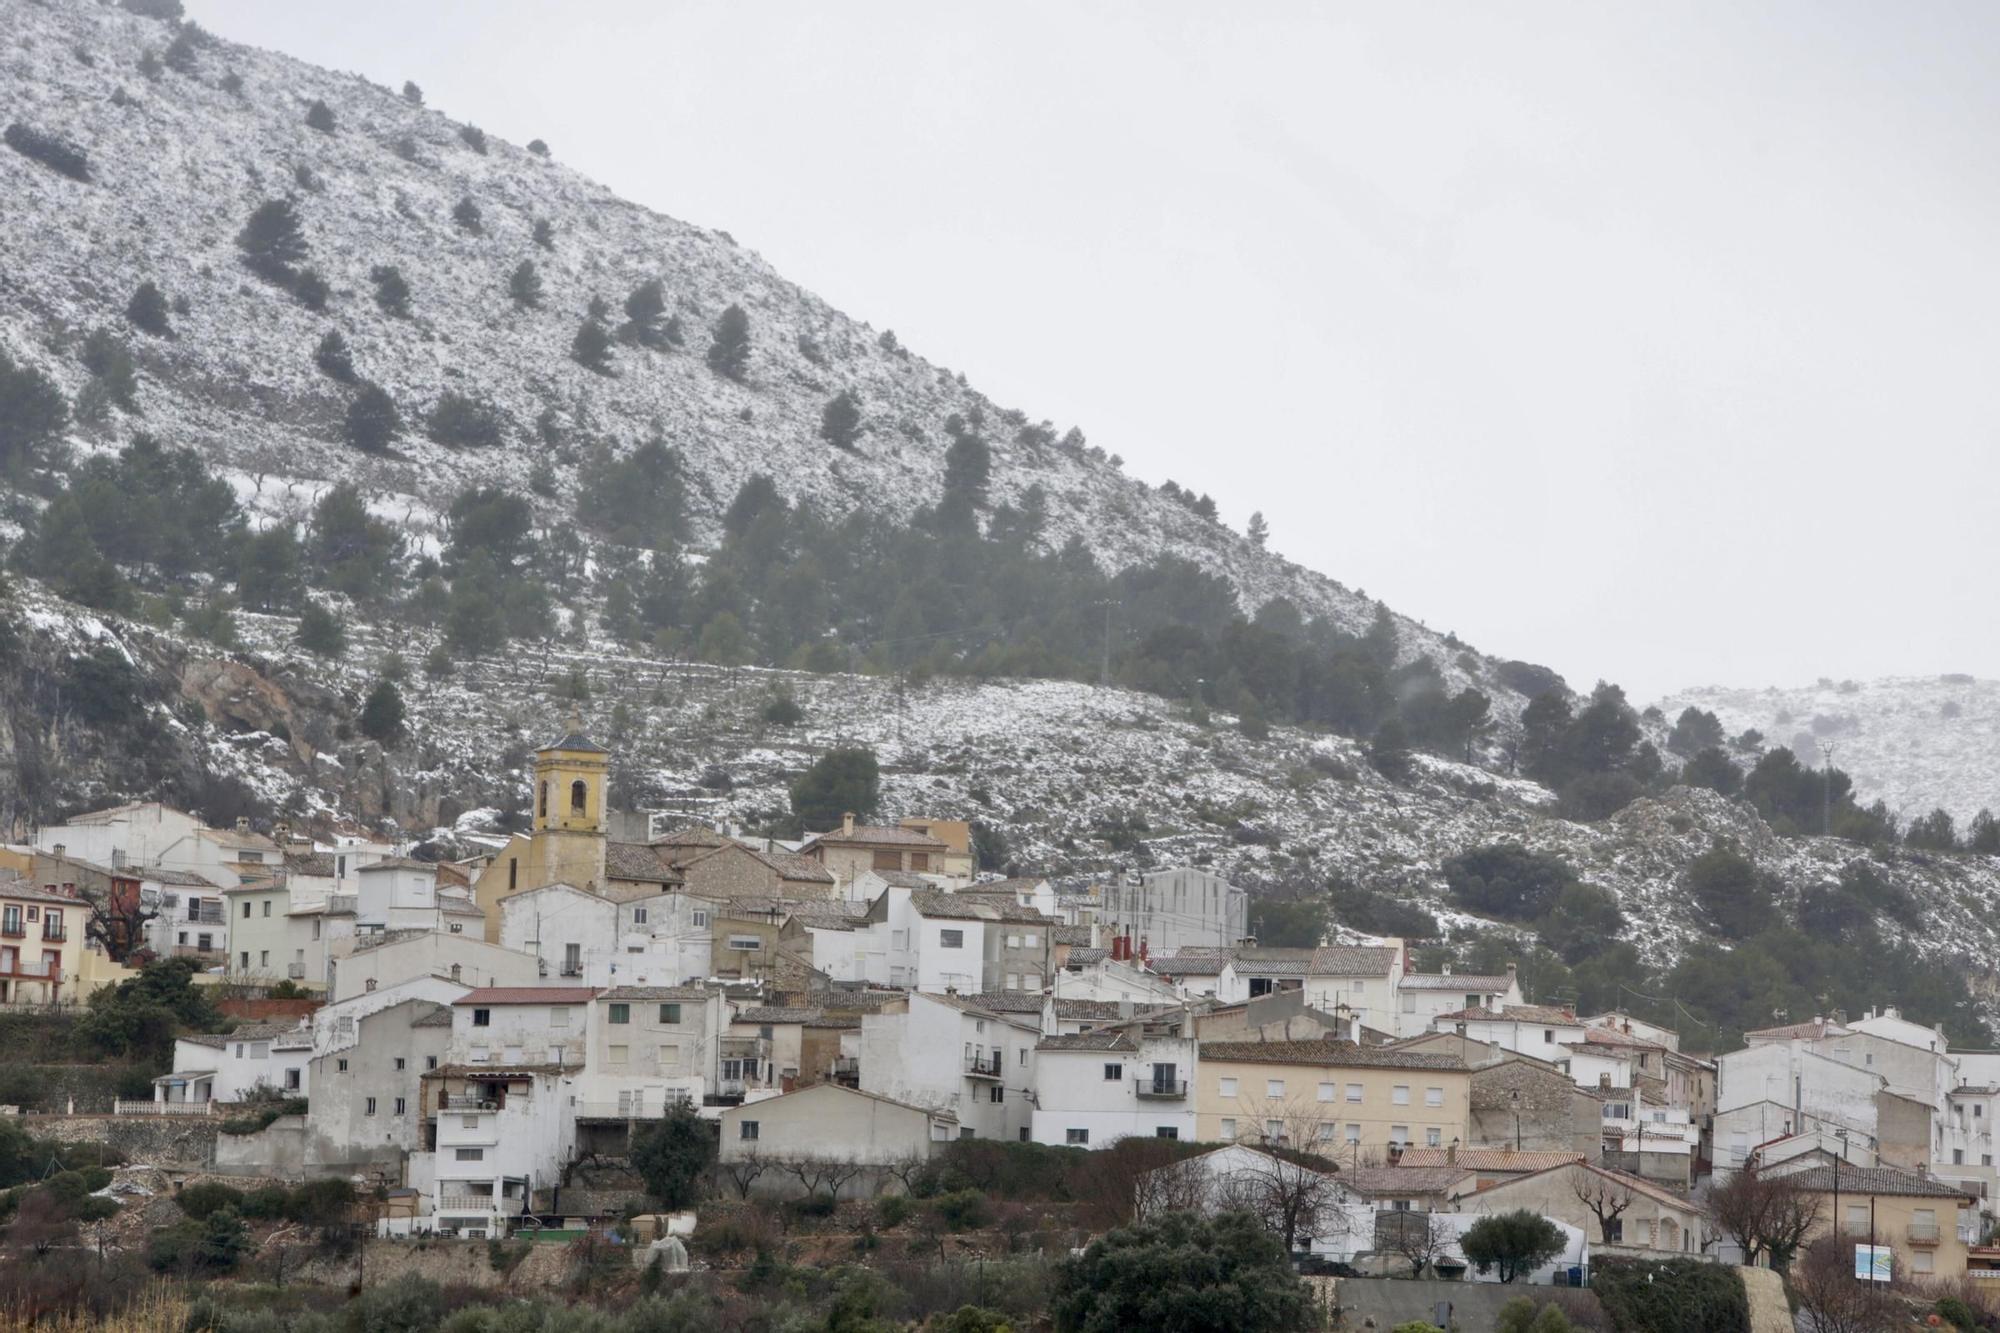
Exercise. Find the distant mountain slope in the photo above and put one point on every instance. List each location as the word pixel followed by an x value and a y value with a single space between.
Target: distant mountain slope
pixel 180 163
pixel 1916 742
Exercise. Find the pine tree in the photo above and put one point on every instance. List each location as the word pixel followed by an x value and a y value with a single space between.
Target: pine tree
pixel 1982 835
pixel 591 348
pixel 179 55
pixel 311 289
pixel 729 353
pixel 333 358
pixel 272 241
pixel 392 293
pixel 644 309
pixel 148 310
pixel 545 234
pixel 840 422
pixel 320 632
pixel 112 369
pixel 466 214
pixel 1259 531
pixel 412 94
pixel 381 717
pixel 525 286
pixel 351 551
pixel 267 570
pixel 474 138
pixel 539 147
pixel 320 117
pixel 372 419
pixel 33 413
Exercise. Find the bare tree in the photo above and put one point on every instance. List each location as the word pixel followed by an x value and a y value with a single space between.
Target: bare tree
pixel 1295 1194
pixel 908 1169
pixel 1831 1300
pixel 742 1172
pixel 117 921
pixel 1605 1197
pixel 816 1172
pixel 1418 1239
pixel 1768 1216
pixel 1176 1187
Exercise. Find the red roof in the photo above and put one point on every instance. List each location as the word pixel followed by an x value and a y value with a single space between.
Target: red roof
pixel 529 995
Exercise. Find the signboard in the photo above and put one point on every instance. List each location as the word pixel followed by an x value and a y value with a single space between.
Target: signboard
pixel 1871 1263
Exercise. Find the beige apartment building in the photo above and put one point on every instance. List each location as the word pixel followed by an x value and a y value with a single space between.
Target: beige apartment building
pixel 1359 1105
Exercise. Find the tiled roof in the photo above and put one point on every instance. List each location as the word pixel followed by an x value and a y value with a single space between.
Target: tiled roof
pixel 1353 960
pixel 452 904
pixel 886 834
pixel 691 837
pixel 774 1014
pixel 1630 1183
pixel 438 1018
pixel 1490 1160
pixel 21 891
pixel 1446 981
pixel 623 993
pixel 1080 957
pixel 173 879
pixel 398 863
pixel 904 879
pixel 450 872
pixel 496 995
pixel 309 863
pixel 1515 1013
pixel 1029 1002
pixel 1606 1037
pixel 636 860
pixel 1018 884
pixel 1817 1029
pixel 1865 1180
pixel 1387 1180
pixel 244 1032
pixel 1323 1052
pixel 940 906
pixel 791 865
pixel 1088 1041
pixel 1073 935
pixel 933 1112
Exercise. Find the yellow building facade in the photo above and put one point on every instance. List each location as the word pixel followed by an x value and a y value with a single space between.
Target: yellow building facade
pixel 1358 1105
pixel 568 839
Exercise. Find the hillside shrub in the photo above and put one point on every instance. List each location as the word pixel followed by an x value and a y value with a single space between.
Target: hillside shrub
pixel 392 292
pixel 1671 1296
pixel 52 151
pixel 524 286
pixel 320 117
pixel 468 217
pixel 201 1199
pixel 310 289
pixel 372 419
pixel 539 147
pixel 840 421
pixel 1191 1274
pixel 272 241
pixel 333 357
pixel 147 310
pixel 474 138
pixel 1514 1244
pixel 412 94
pixel 1506 880
pixel 33 413
pixel 320 632
pixel 169 11
pixel 729 350
pixel 591 347
pixel 545 234
pixel 464 422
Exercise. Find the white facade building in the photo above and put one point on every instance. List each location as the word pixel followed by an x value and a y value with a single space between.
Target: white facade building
pixel 946 1054
pixel 1095 1088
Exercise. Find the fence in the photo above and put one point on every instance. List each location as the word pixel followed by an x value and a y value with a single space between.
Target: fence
pixel 124 1106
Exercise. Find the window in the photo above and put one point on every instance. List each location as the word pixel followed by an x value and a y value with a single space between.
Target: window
pixel 1409 1003
pixel 1274 1087
pixel 1921 1261
pixel 670 1056
pixel 1433 1096
pixel 246 911
pixel 1078 1137
pixel 1958 1157
pixel 579 796
pixel 746 1131
pixel 371 1107
pixel 402 1105
pixel 884 860
pixel 1353 1134
pixel 638 916
pixel 1274 1131
pixel 996 1094
pixel 482 1018
pixel 541 807
pixel 1433 1137
pixel 1166 1132
pixel 245 965
pixel 468 1122
pixel 951 939
pixel 1326 1091
pixel 469 1154
pixel 1114 1073
pixel 430 1062
pixel 670 1013
pixel 1398 1135
pixel 1354 1092
pixel 621 1013
pixel 1857 1218
pixel 1400 1094
pixel 619 1054
pixel 746 943
pixel 1227 1130
pixel 1548 1036
pixel 292 1080
pixel 700 919
pixel 1226 1088
pixel 559 1016
pixel 1324 1131
pixel 267 907
pixel 263 958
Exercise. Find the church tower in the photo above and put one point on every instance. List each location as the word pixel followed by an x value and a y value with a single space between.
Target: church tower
pixel 570 819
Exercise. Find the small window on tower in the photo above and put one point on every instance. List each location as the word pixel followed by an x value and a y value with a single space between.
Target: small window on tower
pixel 579 791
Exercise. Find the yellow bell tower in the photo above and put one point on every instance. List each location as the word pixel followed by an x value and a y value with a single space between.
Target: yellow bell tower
pixel 569 784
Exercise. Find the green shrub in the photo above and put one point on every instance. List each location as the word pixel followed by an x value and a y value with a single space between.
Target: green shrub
pixel 962 1210
pixel 1671 1296
pixel 199 1200
pixel 892 1210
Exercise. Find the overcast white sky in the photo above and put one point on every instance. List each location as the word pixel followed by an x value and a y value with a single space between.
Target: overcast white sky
pixel 1655 342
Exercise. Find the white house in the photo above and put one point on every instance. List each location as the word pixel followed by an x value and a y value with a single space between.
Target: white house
pixel 367 1101
pixel 650 1048
pixel 1423 996
pixel 831 1121
pixel 1335 1222
pixel 1095 1088
pixel 257 1058
pixel 393 957
pixel 192 916
pixel 574 932
pixel 1777 1089
pixel 948 1054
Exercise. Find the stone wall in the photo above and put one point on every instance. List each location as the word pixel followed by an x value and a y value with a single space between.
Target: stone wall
pixel 279 1149
pixel 179 1141
pixel 544 1266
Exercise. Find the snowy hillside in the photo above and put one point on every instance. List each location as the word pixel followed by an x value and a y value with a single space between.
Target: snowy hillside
pixel 1915 742
pixel 179 164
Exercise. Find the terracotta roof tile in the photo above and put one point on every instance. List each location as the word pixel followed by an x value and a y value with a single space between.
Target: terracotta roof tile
pixel 1322 1052
pixel 494 995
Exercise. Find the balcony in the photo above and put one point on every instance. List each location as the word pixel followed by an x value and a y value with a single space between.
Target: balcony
pixel 54 935
pixel 635 1108
pixel 199 954
pixel 985 1065
pixel 206 914
pixel 122 1106
pixel 28 970
pixel 1166 1089
pixel 1923 1233
pixel 13 930
pixel 466 1101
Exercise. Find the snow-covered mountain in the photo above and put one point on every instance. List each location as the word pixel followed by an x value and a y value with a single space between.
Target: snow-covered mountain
pixel 1918 743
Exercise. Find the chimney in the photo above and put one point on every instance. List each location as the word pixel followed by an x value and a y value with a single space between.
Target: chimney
pixel 1447 969
pixel 1604 1082
pixel 1145 953
pixel 59 849
pixel 242 823
pixel 1512 969
pixel 847 823
pixel 1354 1029
pixel 1451 1154
pixel 1049 1025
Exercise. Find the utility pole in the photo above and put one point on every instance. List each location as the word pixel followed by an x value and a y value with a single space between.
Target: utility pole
pixel 1826 787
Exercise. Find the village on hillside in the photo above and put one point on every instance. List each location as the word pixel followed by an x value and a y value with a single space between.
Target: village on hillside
pixel 478 1045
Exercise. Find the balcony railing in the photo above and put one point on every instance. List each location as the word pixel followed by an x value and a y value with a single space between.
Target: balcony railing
pixel 199 915
pixel 478 1203
pixel 54 936
pixel 1174 1089
pixel 634 1109
pixel 31 970
pixel 465 1101
pixel 124 1107
pixel 195 951
pixel 1923 1233
pixel 13 930
pixel 983 1066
